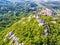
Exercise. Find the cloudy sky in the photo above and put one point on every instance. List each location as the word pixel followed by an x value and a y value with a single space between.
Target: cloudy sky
pixel 35 0
pixel 46 0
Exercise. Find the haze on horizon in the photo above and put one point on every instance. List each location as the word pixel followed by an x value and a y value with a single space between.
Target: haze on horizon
pixel 33 0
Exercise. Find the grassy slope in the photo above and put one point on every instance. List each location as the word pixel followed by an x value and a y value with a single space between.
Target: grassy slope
pixel 30 32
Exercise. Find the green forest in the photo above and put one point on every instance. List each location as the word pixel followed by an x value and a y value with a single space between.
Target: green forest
pixel 30 33
pixel 29 23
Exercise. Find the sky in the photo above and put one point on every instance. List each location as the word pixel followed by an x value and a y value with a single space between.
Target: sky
pixel 48 0
pixel 34 0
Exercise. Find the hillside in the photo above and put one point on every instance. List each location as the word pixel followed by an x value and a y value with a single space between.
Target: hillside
pixel 22 6
pixel 53 5
pixel 29 31
pixel 11 12
pixel 27 22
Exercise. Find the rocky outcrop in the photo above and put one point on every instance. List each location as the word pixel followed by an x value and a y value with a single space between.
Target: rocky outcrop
pixel 54 22
pixel 14 40
pixel 47 12
pixel 46 31
pixel 41 22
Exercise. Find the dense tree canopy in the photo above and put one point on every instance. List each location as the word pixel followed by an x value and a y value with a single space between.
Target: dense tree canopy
pixel 30 32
